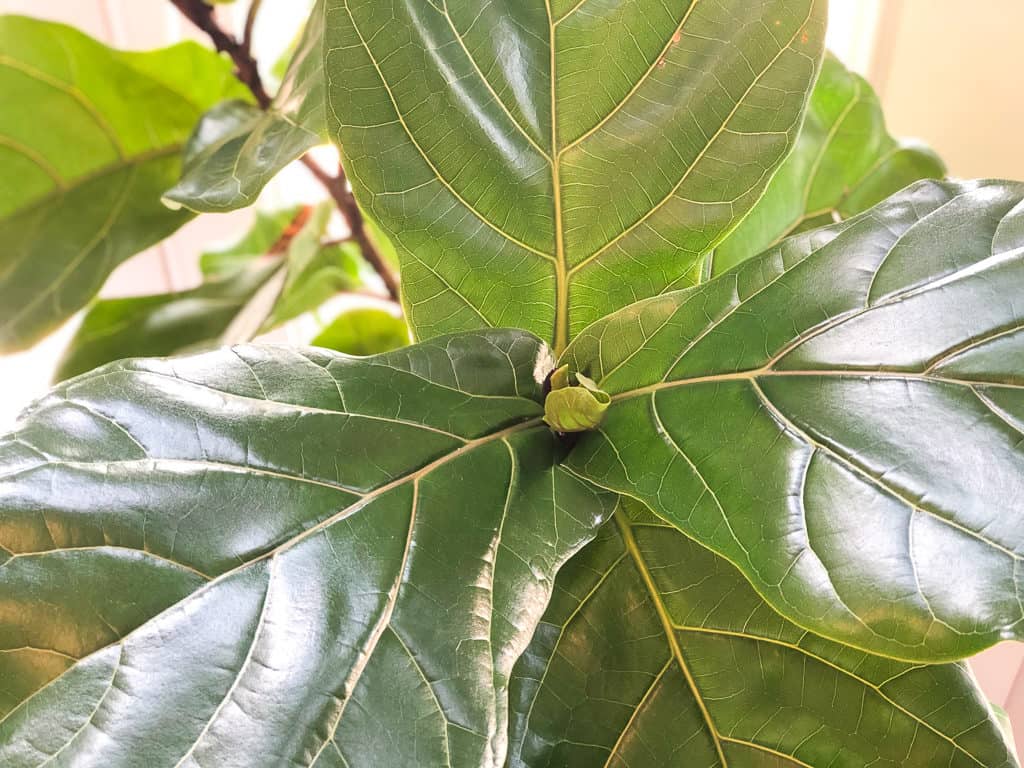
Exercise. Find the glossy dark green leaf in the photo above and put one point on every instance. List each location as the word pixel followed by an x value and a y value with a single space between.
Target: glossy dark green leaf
pixel 657 652
pixel 842 418
pixel 92 137
pixel 270 557
pixel 541 163
pixel 844 162
pixel 364 331
pixel 237 147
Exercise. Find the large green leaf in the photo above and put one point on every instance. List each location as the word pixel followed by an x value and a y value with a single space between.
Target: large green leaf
pixel 656 652
pixel 844 162
pixel 842 418
pixel 92 137
pixel 237 148
pixel 541 163
pixel 269 557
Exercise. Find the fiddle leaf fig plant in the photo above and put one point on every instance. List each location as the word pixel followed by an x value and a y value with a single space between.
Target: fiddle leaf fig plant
pixel 671 475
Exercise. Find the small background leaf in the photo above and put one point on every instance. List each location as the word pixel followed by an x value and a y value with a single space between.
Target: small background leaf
pixel 238 148
pixel 364 331
pixel 158 325
pixel 266 231
pixel 278 271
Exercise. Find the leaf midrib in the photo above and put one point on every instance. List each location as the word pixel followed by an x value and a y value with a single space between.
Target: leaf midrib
pixel 753 374
pixel 626 531
pixel 561 267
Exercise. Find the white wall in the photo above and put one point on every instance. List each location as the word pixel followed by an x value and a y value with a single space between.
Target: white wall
pixel 950 73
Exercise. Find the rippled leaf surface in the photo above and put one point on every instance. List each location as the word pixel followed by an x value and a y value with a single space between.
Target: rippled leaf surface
pixel 844 162
pixel 268 557
pixel 842 417
pixel 657 652
pixel 237 148
pixel 540 164
pixel 96 140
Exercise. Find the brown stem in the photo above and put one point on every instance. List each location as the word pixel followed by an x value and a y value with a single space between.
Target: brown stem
pixel 302 217
pixel 247 71
pixel 338 189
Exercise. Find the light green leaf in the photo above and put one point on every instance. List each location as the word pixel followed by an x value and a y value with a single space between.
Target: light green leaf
pixel 657 652
pixel 315 271
pixel 238 148
pixel 161 324
pixel 295 274
pixel 269 557
pixel 593 167
pixel 575 407
pixel 266 232
pixel 94 141
pixel 841 417
pixel 844 162
pixel 364 331
pixel 335 268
